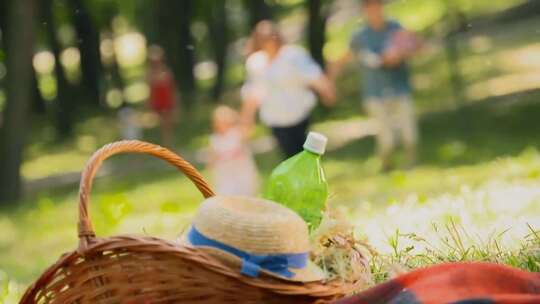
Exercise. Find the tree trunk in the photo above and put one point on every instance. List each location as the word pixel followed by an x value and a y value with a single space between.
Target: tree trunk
pixel 88 43
pixel 63 105
pixel 258 10
pixel 147 18
pixel 186 47
pixel 3 21
pixel 20 48
pixel 455 18
pixel 38 104
pixel 318 14
pixel 174 34
pixel 218 31
pixel 3 44
pixel 452 57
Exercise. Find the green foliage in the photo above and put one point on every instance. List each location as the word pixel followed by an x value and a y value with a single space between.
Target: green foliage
pixel 421 15
pixel 112 209
pixel 10 292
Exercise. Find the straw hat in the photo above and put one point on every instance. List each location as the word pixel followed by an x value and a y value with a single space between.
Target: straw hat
pixel 255 236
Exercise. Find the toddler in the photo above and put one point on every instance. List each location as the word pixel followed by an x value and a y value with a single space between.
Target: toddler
pixel 230 159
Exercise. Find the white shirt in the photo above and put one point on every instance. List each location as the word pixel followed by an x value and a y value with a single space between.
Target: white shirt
pixel 282 85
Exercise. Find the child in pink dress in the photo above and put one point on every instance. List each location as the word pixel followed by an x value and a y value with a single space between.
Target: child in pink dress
pixel 230 160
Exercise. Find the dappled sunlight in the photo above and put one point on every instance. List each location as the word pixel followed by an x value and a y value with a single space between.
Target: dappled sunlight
pixel 418 14
pixel 499 210
pixel 519 59
pixel 498 204
pixel 341 133
pixel 168 225
pixel 67 158
pixel 205 70
pixel 357 184
pixel 136 92
pixel 480 44
pixel 36 238
pixel 114 98
pixel 508 71
pixel 44 237
pixel 44 62
pixel 51 163
pixel 471 193
pixel 70 58
pixel 71 61
pixel 426 195
pixel 504 85
pixel 9 231
pixel 106 49
pixel 130 49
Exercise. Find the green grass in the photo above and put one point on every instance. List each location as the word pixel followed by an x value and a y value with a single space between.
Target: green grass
pixel 473 196
pixel 494 154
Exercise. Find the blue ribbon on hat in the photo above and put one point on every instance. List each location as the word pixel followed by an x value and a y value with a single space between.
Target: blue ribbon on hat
pixel 252 264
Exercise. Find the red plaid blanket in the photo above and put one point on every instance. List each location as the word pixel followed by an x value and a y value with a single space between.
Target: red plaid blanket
pixel 456 283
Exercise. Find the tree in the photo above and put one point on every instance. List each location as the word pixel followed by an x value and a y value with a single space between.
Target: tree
pixel 63 106
pixel 88 43
pixel 38 104
pixel 174 35
pixel 219 38
pixel 457 23
pixel 104 14
pixel 257 10
pixel 318 11
pixel 3 27
pixel 20 33
pixel 3 20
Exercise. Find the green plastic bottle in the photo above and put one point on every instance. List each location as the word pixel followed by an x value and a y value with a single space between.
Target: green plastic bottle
pixel 299 182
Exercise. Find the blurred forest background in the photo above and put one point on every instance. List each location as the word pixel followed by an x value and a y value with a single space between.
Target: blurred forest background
pixel 67 66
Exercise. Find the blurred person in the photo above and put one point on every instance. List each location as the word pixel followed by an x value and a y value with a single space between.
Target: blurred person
pixel 128 119
pixel 163 95
pixel 281 80
pixel 383 48
pixel 231 161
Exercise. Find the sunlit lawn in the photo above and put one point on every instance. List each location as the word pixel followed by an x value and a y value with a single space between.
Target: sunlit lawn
pixel 492 63
pixel 472 196
pixel 484 177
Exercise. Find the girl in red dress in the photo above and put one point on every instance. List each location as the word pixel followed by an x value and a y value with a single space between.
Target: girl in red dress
pixel 162 93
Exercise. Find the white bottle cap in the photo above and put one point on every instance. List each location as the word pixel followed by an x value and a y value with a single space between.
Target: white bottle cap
pixel 316 143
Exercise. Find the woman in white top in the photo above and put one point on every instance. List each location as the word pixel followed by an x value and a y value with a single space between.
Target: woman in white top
pixel 281 81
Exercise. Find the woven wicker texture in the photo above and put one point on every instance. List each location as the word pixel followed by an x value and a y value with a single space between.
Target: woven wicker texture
pixel 135 269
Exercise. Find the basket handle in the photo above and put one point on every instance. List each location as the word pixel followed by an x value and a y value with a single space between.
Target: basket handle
pixel 85 227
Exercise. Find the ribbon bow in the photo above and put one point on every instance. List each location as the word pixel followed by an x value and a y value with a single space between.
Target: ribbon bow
pixel 251 263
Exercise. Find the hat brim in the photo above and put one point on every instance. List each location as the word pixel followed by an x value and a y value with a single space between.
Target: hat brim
pixel 310 273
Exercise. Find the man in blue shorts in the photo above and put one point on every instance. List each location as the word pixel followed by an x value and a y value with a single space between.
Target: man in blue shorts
pixel 382 48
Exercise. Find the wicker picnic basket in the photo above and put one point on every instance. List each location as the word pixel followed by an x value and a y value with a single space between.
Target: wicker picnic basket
pixel 141 269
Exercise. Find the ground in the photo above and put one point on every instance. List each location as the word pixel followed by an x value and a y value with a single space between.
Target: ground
pixel 473 196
